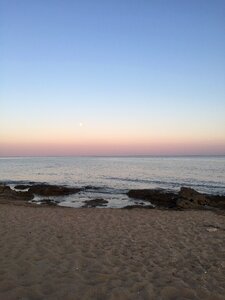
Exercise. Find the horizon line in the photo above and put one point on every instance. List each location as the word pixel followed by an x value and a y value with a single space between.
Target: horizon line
pixel 129 155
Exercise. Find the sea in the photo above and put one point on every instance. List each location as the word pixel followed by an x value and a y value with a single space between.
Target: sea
pixel 110 178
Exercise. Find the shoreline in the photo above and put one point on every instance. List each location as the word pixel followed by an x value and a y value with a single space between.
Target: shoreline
pixel 60 253
pixel 91 196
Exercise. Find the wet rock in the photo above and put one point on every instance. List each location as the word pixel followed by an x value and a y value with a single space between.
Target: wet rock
pixel 138 206
pixel 50 202
pixel 4 188
pixel 7 194
pixel 22 187
pixel 95 202
pixel 189 198
pixel 91 187
pixel 52 190
pixel 216 201
pixel 157 197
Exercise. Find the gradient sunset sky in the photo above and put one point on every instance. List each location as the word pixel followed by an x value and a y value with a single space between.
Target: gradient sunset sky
pixel 112 77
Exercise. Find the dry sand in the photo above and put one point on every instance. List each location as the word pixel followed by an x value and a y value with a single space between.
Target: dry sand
pixel 63 253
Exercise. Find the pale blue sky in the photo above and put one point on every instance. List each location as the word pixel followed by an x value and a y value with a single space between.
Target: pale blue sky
pixel 132 68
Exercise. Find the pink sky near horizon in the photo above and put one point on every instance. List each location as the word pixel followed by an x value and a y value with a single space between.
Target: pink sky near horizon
pixel 110 149
pixel 108 138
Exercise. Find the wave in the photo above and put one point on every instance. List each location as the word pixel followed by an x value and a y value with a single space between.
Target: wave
pixel 205 184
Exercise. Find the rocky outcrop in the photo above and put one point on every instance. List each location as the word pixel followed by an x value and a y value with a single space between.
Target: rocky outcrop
pixel 7 194
pixel 186 198
pixel 157 197
pixel 95 202
pixel 52 190
pixel 189 198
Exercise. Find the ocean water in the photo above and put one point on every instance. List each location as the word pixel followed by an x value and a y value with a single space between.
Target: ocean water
pixel 111 177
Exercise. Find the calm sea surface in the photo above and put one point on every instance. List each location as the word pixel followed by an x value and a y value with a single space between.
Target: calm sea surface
pixel 114 176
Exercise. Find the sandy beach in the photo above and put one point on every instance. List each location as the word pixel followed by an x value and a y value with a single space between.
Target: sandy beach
pixel 64 253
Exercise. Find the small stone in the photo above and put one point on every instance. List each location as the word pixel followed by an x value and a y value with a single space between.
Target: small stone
pixel 211 229
pixel 95 202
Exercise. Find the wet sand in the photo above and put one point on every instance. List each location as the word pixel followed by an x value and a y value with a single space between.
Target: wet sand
pixel 63 253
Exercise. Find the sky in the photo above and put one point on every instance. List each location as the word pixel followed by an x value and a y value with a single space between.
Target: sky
pixel 122 77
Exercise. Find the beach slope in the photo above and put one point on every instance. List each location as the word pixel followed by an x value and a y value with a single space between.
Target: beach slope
pixel 62 253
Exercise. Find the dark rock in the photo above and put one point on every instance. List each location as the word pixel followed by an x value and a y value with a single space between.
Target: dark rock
pixel 189 198
pixel 216 201
pixel 7 194
pixel 138 206
pixel 50 202
pixel 95 202
pixel 52 190
pixel 22 187
pixel 157 197
pixel 91 187
pixel 4 188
